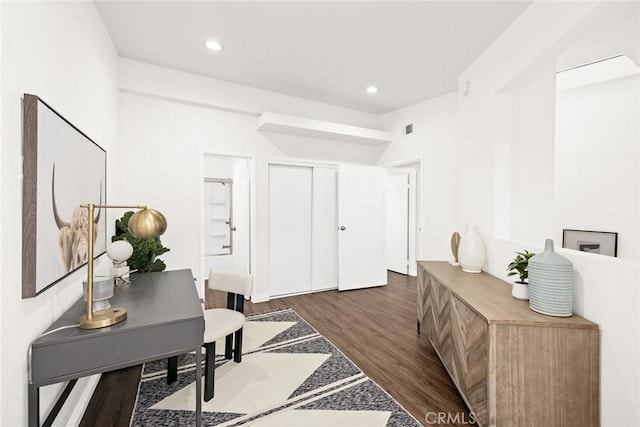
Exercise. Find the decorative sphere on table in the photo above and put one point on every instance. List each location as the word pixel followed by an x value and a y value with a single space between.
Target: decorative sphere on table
pixel 119 251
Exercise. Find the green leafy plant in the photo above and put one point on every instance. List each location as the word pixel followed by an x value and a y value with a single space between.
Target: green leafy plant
pixel 520 266
pixel 145 251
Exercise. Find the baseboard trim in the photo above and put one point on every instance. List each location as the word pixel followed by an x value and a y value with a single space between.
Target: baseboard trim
pixel 260 298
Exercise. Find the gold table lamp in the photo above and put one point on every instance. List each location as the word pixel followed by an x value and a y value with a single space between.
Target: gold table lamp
pixel 144 224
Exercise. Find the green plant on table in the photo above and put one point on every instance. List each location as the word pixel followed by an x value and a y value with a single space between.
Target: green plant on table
pixel 145 251
pixel 520 266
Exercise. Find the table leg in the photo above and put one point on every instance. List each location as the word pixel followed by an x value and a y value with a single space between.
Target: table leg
pixel 199 386
pixel 34 405
pixel 172 369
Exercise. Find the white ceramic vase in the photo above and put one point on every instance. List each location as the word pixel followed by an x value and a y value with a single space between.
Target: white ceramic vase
pixel 471 252
pixel 520 291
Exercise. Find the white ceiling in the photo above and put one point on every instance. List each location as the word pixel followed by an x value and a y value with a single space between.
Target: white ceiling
pixel 323 51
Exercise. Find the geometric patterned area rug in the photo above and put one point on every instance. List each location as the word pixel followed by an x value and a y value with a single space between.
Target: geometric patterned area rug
pixel 290 375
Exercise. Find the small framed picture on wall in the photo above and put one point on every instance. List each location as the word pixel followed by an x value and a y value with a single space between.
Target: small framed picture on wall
pixel 595 242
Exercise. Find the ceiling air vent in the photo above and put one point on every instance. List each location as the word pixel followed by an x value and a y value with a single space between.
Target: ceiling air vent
pixel 408 129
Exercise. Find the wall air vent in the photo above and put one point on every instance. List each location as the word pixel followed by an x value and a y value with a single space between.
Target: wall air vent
pixel 408 129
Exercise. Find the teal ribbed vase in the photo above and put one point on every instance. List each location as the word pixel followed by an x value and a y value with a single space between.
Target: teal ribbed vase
pixel 551 283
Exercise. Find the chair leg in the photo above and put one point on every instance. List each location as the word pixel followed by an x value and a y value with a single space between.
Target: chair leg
pixel 228 346
pixel 209 369
pixel 172 369
pixel 237 348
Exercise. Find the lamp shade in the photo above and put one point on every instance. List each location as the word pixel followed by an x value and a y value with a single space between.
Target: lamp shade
pixel 119 251
pixel 147 223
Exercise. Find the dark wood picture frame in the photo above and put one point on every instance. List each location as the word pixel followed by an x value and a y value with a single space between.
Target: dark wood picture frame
pixel 598 242
pixel 47 222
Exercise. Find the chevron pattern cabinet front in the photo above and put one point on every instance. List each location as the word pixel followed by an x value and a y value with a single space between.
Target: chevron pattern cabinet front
pixel 512 366
pixel 469 356
pixel 438 320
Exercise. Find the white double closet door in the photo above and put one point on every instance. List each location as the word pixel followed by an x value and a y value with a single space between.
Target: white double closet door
pixel 323 231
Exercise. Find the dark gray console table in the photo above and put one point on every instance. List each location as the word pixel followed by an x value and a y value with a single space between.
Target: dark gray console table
pixel 164 319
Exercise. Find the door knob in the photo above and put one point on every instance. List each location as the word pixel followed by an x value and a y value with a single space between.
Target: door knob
pixel 342 228
pixel 233 228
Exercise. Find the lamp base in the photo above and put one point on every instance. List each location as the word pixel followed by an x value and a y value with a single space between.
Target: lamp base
pixel 103 318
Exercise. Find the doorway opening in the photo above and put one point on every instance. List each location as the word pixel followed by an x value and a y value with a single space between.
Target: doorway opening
pixel 402 217
pixel 226 219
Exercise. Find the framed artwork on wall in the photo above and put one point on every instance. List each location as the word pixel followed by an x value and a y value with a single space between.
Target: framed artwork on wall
pixel 595 242
pixel 62 169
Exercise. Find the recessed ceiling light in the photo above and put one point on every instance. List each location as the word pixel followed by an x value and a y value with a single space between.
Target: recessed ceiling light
pixel 213 45
pixel 372 89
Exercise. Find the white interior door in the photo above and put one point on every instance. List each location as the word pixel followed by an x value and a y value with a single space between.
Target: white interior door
pixel 241 216
pixel 290 190
pixel 397 200
pixel 361 213
pixel 324 236
pixel 414 234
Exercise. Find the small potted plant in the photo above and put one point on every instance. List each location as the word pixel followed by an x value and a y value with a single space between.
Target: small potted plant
pixel 520 266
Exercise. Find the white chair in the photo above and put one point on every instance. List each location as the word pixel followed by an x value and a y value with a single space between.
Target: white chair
pixel 225 322
pixel 221 322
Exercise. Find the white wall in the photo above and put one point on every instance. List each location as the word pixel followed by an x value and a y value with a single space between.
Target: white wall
pixel 596 152
pixel 179 117
pixel 495 119
pixel 434 142
pixel 532 160
pixel 61 52
pixel 219 167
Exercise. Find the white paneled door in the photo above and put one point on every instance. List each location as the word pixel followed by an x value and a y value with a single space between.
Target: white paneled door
pixel 397 185
pixel 290 191
pixel 361 221
pixel 324 235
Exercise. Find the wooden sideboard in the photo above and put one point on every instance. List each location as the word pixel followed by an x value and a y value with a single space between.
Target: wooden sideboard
pixel 513 366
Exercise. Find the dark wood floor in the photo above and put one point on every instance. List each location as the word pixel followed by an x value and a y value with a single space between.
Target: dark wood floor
pixel 375 328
